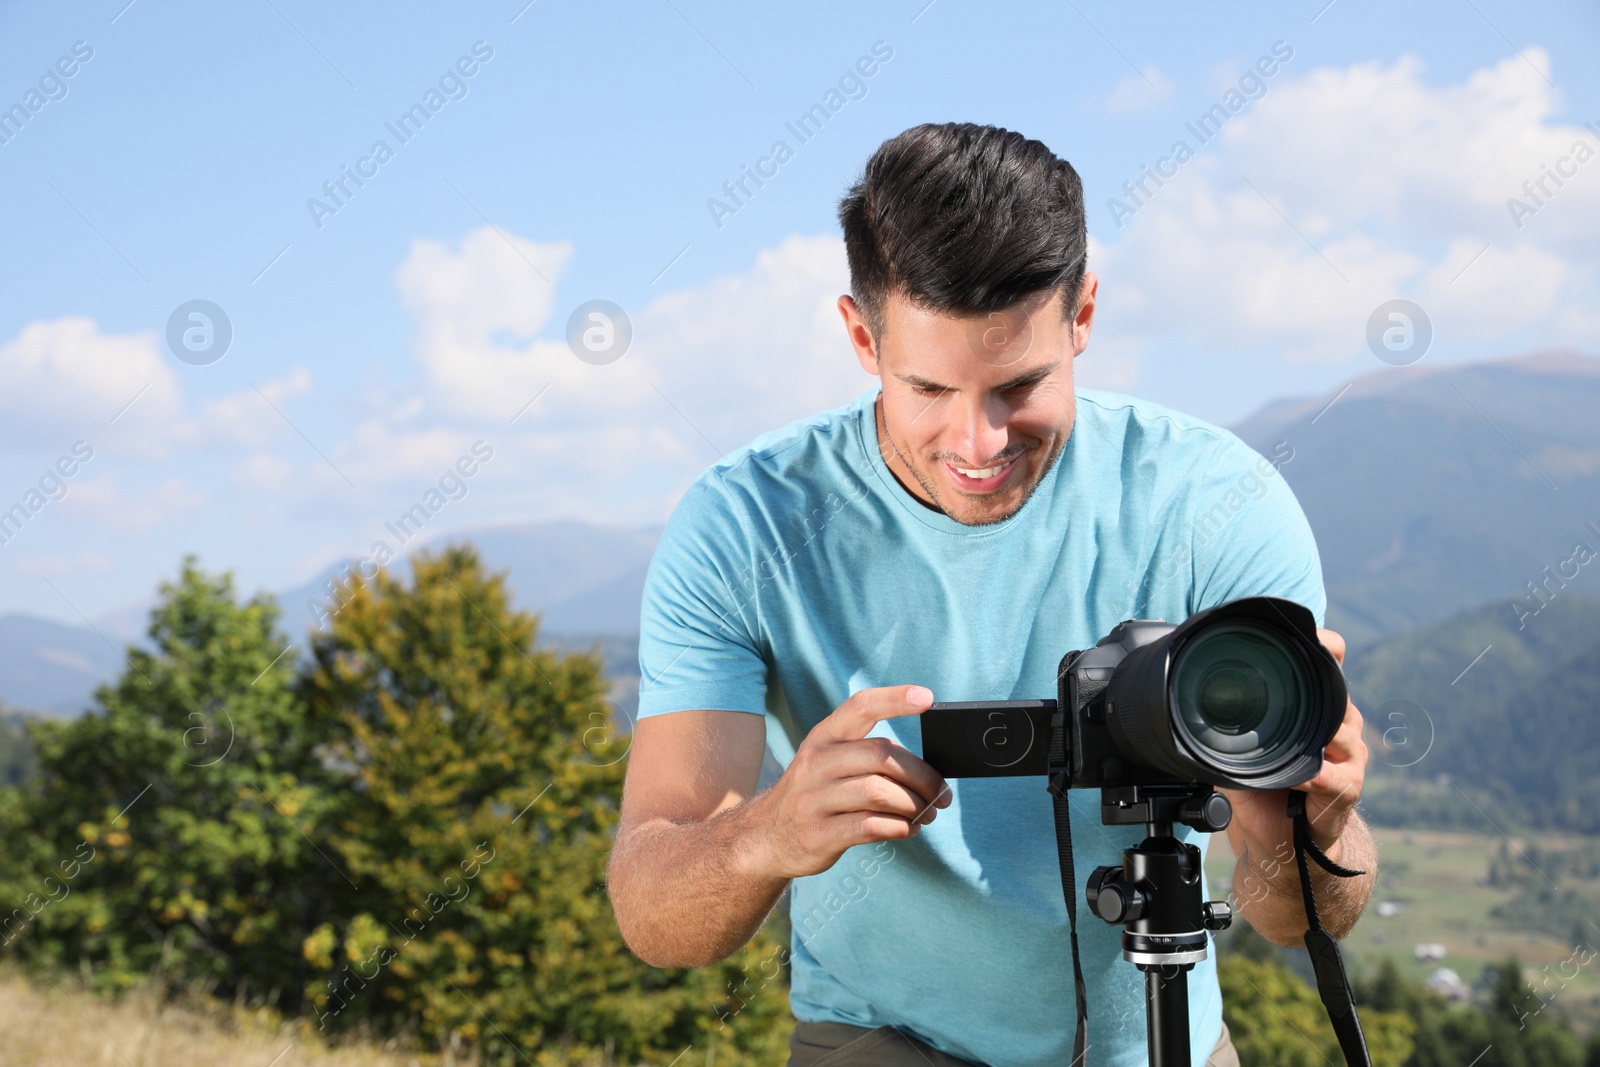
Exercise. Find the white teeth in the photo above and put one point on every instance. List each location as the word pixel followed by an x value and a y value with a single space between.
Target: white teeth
pixel 979 475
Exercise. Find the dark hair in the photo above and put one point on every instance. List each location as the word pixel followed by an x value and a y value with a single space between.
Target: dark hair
pixel 964 219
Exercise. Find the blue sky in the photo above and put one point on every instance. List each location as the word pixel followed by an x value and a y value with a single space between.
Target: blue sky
pixel 374 348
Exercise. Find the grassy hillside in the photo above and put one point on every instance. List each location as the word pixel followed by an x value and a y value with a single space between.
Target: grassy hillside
pixel 56 1023
pixel 1518 733
pixel 1457 890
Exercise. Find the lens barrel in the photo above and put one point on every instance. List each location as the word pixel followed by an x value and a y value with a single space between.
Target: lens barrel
pixel 1242 695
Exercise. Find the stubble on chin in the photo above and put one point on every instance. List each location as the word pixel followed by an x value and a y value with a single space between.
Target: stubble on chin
pixel 890 451
pixel 1023 497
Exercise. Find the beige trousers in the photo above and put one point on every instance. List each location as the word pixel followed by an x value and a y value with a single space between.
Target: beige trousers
pixel 843 1045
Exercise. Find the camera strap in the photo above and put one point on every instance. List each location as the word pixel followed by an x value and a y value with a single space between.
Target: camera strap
pixel 1333 985
pixel 1059 779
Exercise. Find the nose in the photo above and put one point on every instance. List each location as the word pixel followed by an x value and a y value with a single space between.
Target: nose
pixel 979 431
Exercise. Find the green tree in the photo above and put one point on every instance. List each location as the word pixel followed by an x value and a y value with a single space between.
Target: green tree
pixel 171 828
pixel 1527 1030
pixel 1510 1026
pixel 1277 1020
pixel 484 781
pixel 17 763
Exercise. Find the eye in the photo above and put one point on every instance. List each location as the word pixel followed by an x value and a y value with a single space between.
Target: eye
pixel 928 390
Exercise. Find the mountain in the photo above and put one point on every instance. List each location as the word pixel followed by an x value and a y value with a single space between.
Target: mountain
pixel 581 578
pixel 1433 490
pixel 586 581
pixel 50 667
pixel 1486 720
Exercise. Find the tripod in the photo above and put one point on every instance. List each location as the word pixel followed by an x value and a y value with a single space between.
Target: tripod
pixel 1155 896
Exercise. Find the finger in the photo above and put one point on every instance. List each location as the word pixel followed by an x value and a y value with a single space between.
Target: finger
pixel 1334 780
pixel 1333 643
pixel 879 755
pixel 1339 778
pixel 864 827
pixel 1348 742
pixel 1344 760
pixel 874 792
pixel 835 833
pixel 856 717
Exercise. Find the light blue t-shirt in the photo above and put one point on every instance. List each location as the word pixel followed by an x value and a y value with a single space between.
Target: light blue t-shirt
pixel 798 571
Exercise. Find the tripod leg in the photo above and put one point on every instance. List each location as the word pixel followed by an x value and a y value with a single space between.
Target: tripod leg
pixel 1166 999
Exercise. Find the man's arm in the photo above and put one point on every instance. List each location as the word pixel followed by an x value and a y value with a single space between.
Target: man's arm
pixel 699 861
pixel 681 879
pixel 1266 881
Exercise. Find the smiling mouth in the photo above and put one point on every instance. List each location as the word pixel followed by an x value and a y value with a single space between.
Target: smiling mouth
pixel 981 479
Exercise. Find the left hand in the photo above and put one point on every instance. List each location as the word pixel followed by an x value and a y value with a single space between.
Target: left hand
pixel 1260 817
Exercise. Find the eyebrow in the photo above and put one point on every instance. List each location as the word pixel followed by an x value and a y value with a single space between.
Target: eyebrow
pixel 1032 377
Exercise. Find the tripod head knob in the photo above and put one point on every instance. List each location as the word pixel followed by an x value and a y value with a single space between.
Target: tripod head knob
pixel 1218 914
pixel 1111 898
pixel 1209 813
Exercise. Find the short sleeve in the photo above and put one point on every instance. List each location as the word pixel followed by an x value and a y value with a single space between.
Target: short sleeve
pixel 1249 534
pixel 698 648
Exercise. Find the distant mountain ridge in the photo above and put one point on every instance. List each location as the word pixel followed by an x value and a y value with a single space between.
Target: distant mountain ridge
pixel 51 667
pixel 1433 490
pixel 585 580
pixel 581 578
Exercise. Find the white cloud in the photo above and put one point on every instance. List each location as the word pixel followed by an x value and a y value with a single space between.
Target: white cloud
pixel 246 417
pixel 719 363
pixel 64 379
pixel 477 309
pixel 750 352
pixel 102 500
pixel 1223 268
pixel 1506 288
pixel 1139 92
pixel 1376 142
pixel 261 472
pixel 709 368
pixel 1351 186
pixel 379 455
pixel 57 566
pixel 376 456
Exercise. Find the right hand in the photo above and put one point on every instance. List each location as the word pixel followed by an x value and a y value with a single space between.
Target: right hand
pixel 844 788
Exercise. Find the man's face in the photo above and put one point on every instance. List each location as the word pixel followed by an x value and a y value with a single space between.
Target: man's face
pixel 975 409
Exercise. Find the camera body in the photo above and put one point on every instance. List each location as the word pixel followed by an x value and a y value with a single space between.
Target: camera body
pixel 1242 695
pixel 1094 758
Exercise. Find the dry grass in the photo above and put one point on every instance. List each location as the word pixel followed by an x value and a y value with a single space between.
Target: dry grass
pixel 52 1022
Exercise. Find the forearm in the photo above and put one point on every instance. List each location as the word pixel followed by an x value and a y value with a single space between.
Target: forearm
pixel 689 894
pixel 1266 886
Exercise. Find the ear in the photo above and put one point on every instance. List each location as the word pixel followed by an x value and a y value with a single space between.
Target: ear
pixel 1084 319
pixel 855 326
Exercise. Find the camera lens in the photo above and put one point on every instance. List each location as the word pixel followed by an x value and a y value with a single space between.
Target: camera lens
pixel 1242 695
pixel 1232 696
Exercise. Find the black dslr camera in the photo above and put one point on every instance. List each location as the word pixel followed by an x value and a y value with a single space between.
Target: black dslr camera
pixel 1242 695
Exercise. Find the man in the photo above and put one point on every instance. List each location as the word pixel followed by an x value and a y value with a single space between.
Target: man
pixel 949 534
